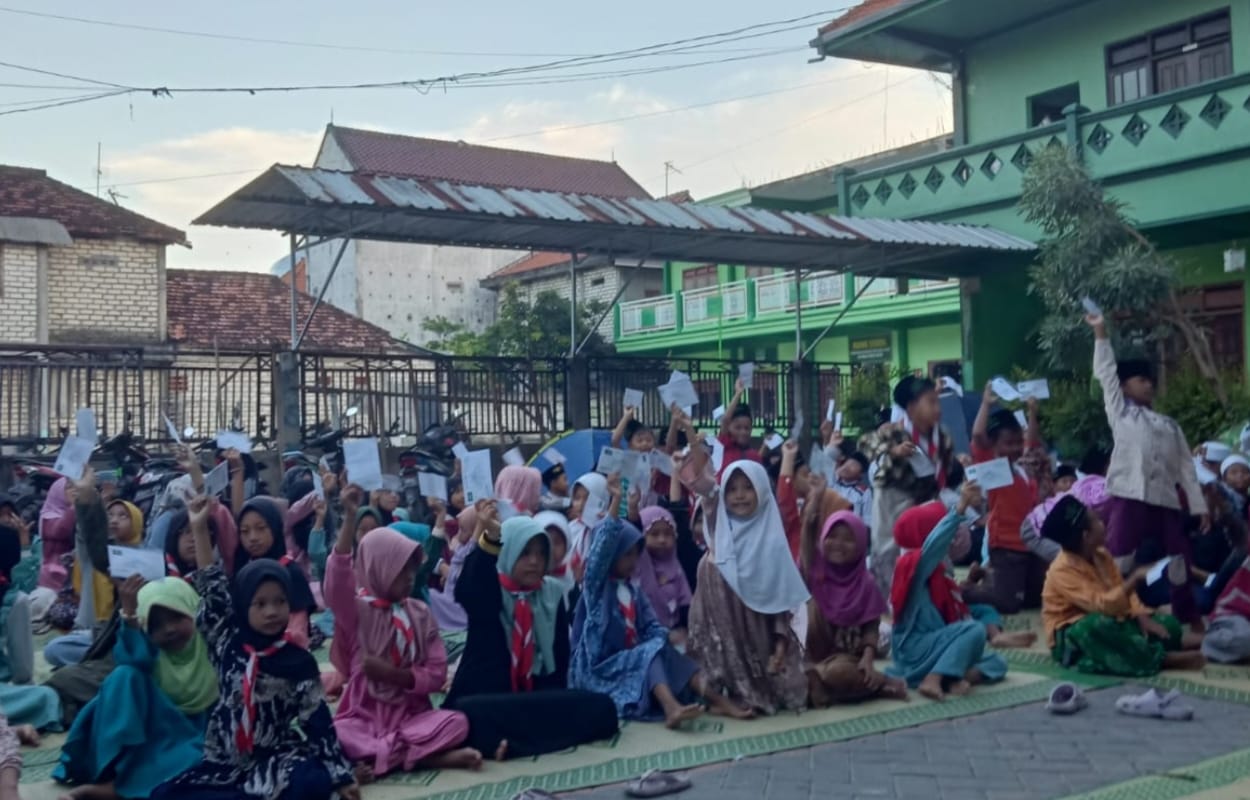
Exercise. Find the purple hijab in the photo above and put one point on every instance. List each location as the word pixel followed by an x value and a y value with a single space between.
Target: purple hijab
pixel 846 594
pixel 662 580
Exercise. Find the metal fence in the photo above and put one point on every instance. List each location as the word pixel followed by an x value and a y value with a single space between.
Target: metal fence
pixel 136 389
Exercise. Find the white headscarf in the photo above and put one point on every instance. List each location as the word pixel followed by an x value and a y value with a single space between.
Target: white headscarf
pixel 752 554
pixel 596 508
pixel 554 519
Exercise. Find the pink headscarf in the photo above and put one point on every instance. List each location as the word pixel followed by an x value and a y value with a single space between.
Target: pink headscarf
pixel 1090 490
pixel 56 531
pixel 382 555
pixel 521 486
pixel 846 594
pixel 662 580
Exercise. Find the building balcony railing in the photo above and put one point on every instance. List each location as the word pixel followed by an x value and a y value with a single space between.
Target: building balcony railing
pixel 1197 125
pixel 759 300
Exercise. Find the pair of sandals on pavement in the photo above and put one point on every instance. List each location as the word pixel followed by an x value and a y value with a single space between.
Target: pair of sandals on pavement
pixel 653 783
pixel 1067 698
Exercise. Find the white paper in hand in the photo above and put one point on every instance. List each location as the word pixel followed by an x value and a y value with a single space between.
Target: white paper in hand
pixel 145 562
pixel 1090 307
pixel 218 478
pixel 718 414
pixel 611 461
pixel 319 488
pixel 679 390
pixel 459 450
pixel 1023 420
pixel 774 441
pixel 991 475
pixel 554 456
pixel 1038 389
pixel 633 398
pixel 1004 389
pixel 432 484
pixel 662 463
pixel 84 424
pixel 718 453
pixel 746 374
pixel 830 411
pixel 234 440
pixel 921 466
pixel 363 464
pixel 837 421
pixel 1156 572
pixel 72 460
pixel 513 458
pixel 173 431
pixel 475 473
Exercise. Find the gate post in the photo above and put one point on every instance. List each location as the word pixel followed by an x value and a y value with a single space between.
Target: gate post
pixel 286 388
pixel 577 394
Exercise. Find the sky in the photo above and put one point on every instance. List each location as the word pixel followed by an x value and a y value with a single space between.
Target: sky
pixel 765 113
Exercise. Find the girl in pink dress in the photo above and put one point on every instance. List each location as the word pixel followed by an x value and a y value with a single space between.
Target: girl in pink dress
pixel 385 719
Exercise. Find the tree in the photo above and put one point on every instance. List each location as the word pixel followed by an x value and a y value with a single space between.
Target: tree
pixel 522 329
pixel 1091 249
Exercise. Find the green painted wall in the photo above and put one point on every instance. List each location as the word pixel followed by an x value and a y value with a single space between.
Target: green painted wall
pixel 1003 317
pixel 933 343
pixel 1004 71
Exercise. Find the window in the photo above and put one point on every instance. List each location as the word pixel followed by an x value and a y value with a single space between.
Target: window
pixel 760 272
pixel 1181 55
pixel 1047 108
pixel 699 277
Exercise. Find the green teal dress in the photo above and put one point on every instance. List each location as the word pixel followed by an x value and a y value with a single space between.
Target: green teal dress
pixel 23 703
pixel 131 733
pixel 923 642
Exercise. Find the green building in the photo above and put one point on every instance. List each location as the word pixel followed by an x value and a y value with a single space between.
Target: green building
pixel 1154 95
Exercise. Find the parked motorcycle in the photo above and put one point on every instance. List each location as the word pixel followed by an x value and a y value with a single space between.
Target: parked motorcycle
pixel 433 453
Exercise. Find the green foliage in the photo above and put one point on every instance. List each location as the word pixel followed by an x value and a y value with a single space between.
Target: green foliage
pixel 1190 399
pixel 523 329
pixel 869 391
pixel 1074 419
pixel 1089 249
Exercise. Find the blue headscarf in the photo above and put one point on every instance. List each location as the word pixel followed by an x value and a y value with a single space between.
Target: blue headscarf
pixel 515 535
pixel 601 662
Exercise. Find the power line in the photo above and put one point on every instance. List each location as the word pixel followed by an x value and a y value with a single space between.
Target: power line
pixel 180 178
pixel 65 102
pixel 282 42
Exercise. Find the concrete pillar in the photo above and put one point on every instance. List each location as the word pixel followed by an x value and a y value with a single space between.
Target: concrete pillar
pixel 286 390
pixel 577 394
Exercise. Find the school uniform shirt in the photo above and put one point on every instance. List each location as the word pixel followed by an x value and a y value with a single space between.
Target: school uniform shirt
pixel 1009 506
pixel 1151 459
pixel 735 453
pixel 859 495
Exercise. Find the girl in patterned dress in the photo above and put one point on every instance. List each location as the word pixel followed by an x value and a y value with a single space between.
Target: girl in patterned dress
pixel 270 735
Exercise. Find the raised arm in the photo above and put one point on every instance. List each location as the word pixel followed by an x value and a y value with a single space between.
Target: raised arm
pixel 938 543
pixel 618 433
pixel 731 407
pixel 1105 370
pixel 980 426
pixel 810 537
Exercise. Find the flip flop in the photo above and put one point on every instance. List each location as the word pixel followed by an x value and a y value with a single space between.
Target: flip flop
pixel 1066 698
pixel 1151 704
pixel 534 794
pixel 655 783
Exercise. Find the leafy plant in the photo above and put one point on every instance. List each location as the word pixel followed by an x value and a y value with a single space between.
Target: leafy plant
pixel 869 390
pixel 1190 399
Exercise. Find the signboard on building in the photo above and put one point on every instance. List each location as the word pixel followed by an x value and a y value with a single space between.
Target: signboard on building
pixel 875 349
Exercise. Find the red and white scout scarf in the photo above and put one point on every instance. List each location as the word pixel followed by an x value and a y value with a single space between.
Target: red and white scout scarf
pixel 404 641
pixel 522 638
pixel 171 567
pixel 245 732
pixel 625 600
pixel 931 448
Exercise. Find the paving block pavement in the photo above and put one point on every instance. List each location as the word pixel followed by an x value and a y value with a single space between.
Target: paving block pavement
pixel 1020 753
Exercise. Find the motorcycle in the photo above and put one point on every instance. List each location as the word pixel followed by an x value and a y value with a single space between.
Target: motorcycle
pixel 433 453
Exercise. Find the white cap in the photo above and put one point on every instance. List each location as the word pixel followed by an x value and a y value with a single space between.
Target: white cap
pixel 1232 461
pixel 1216 452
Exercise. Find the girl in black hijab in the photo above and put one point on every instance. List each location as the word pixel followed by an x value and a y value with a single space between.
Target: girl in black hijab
pixel 262 534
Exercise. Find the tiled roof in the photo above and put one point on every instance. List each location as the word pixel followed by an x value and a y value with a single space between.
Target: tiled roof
pixel 252 311
pixel 682 196
pixel 417 157
pixel 531 263
pixel 863 11
pixel 26 192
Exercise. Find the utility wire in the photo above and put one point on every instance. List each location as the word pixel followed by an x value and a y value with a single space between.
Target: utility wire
pixel 66 102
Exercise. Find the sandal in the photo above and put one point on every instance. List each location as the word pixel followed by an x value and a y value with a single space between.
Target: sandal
pixel 1152 704
pixel 655 783
pixel 1066 698
pixel 534 794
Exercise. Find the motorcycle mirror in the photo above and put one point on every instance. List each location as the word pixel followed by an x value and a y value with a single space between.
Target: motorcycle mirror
pixel 189 432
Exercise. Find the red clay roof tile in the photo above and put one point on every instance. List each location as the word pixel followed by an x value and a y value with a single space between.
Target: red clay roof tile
pixel 866 9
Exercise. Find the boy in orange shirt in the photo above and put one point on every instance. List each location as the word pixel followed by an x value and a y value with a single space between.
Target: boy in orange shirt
pixel 1016 576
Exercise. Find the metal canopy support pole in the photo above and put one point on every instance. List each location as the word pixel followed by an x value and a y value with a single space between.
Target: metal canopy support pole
pixel 572 305
pixel 616 299
pixel 294 297
pixel 796 371
pixel 321 294
pixel 842 313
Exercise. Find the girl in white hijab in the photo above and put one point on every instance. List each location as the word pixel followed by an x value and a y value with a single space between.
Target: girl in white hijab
pixel 591 499
pixel 748 585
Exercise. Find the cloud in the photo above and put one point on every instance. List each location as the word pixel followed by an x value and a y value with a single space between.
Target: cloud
pixel 849 112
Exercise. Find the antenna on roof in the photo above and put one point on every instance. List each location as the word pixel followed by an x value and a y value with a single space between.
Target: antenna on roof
pixel 668 167
pixel 115 196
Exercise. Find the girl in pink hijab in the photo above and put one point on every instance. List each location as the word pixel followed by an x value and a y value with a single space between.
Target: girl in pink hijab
pixel 386 721
pixel 522 487
pixel 56 531
pixel 659 573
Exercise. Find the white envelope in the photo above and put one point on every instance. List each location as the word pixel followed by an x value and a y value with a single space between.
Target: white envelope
pixel 234 440
pixel 679 390
pixel 1004 389
pixel 718 414
pixel 432 485
pixel 84 424
pixel 1038 389
pixel 1090 306
pixel 319 488
pixel 554 456
pixel 74 456
pixel 662 463
pixel 143 561
pixel 1023 420
pixel 837 421
pixel 991 475
pixel 513 458
pixel 459 450
pixel 218 478
pixel 364 465
pixel 633 398
pixel 476 476
pixel 830 410
pixel 746 374
pixel 611 461
pixel 775 441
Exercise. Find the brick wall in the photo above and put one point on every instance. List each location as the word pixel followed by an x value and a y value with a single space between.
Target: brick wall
pixel 19 293
pixel 106 290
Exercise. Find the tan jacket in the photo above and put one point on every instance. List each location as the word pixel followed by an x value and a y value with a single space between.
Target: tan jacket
pixel 1151 457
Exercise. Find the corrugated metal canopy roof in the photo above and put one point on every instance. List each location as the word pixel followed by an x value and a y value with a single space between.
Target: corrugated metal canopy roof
pixel 325 203
pixel 34 230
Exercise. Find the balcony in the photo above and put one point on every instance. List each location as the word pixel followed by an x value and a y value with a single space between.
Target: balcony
pixel 1134 149
pixel 760 304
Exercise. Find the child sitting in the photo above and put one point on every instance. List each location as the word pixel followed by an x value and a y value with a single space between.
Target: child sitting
pixel 619 647
pixel 938 647
pixel 396 661
pixel 1228 637
pixel 660 575
pixel 556 489
pixel 270 734
pixel 146 724
pixel 1235 482
pixel 1093 619
pixel 1065 477
pixel 261 535
pixel 852 483
pixel 1014 580
pixel 844 614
